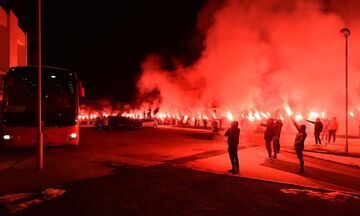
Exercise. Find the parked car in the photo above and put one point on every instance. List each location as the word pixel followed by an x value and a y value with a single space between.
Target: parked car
pixel 149 123
pixel 118 122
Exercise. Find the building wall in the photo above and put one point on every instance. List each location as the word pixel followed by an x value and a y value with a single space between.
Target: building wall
pixel 4 41
pixel 13 42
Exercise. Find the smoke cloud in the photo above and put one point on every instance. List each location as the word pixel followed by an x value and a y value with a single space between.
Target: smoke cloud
pixel 261 55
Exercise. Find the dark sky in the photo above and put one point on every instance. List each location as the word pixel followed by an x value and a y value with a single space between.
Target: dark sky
pixel 106 42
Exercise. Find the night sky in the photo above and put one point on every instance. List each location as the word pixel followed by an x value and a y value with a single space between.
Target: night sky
pixel 107 42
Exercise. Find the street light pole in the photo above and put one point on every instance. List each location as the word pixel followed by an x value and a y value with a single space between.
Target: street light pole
pixel 345 32
pixel 40 132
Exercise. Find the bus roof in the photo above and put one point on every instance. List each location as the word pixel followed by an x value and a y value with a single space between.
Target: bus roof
pixel 44 67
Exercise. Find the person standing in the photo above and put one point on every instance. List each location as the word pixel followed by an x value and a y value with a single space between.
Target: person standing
pixel 318 127
pixel 233 134
pixel 215 127
pixel 105 122
pixel 277 131
pixel 333 127
pixel 299 144
pixel 268 136
pixel 205 123
pixel 325 131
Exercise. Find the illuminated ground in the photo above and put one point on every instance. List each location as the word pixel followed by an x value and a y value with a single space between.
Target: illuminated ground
pixel 168 190
pixel 169 152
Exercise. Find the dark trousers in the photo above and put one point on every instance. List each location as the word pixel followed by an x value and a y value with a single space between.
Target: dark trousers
pixel 233 155
pixel 300 156
pixel 268 147
pixel 317 138
pixel 276 144
pixel 332 133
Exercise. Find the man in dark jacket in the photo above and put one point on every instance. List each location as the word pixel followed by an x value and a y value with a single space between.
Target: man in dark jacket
pixel 233 134
pixel 277 131
pixel 268 136
pixel 318 127
pixel 299 144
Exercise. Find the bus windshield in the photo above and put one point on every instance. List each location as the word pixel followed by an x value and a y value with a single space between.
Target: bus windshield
pixel 59 100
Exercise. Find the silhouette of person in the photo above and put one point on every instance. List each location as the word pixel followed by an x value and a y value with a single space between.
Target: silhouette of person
pixel 333 127
pixel 325 131
pixel 268 136
pixel 205 123
pixel 233 134
pixel 277 131
pixel 318 127
pixel 215 126
pixel 299 144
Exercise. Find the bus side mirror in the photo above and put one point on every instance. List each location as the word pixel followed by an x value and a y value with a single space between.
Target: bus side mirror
pixel 81 90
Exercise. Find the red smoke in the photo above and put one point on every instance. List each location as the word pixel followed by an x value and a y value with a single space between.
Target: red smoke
pixel 262 55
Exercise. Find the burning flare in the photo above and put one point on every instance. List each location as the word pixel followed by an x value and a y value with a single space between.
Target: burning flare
pixel 313 115
pixel 288 110
pixel 229 116
pixel 299 117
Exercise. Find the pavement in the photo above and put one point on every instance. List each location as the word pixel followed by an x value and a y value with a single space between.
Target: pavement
pixel 283 170
pixel 330 168
pixel 334 152
pixel 337 148
pixel 331 151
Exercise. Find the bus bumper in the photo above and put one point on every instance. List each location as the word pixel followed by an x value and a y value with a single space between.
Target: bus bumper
pixel 27 137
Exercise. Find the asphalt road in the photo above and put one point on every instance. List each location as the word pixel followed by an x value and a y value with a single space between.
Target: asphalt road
pixel 99 151
pixel 159 156
pixel 96 153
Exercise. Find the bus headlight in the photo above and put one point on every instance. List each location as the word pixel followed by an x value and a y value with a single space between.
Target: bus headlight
pixel 6 137
pixel 73 136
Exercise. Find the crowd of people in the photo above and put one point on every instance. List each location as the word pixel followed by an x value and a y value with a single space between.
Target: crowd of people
pixel 323 129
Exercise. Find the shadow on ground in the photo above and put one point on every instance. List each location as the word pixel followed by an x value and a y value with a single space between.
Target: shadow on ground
pixel 316 174
pixel 169 190
pixel 201 136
